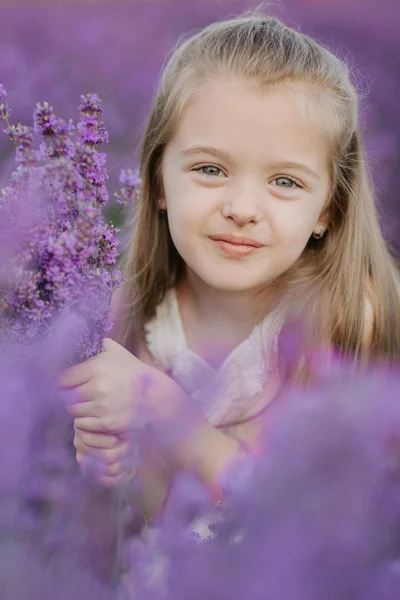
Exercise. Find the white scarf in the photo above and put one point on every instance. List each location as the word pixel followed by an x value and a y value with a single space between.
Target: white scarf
pixel 233 391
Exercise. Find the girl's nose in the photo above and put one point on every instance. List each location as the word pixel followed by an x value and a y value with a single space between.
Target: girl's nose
pixel 242 208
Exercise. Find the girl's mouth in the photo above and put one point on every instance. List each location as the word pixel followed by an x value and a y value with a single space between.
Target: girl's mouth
pixel 234 250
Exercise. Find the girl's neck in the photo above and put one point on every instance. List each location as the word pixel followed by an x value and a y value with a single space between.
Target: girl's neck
pixel 216 322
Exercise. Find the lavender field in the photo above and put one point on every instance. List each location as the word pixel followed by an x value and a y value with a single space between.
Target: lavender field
pixel 318 516
pixel 57 51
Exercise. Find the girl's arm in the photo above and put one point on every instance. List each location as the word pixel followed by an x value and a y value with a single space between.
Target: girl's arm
pixel 204 449
pixel 114 391
pixel 180 439
pixel 207 452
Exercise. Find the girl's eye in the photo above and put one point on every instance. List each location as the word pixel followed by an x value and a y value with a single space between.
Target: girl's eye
pixel 286 182
pixel 213 171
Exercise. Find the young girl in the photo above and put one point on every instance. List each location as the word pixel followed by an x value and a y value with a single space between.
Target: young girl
pixel 255 203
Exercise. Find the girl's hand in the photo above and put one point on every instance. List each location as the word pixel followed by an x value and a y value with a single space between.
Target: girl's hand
pixel 108 453
pixel 104 394
pixel 104 391
pixel 107 393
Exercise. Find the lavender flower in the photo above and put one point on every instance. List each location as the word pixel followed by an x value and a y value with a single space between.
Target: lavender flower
pixel 3 93
pixel 56 527
pixel 45 122
pixel 67 253
pixel 130 187
pixel 90 127
pixel 5 112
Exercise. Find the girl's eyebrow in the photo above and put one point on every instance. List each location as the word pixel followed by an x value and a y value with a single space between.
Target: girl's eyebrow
pixel 287 164
pixel 195 150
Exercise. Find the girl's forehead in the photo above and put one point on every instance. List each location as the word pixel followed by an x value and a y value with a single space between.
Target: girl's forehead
pixel 238 116
pixel 218 90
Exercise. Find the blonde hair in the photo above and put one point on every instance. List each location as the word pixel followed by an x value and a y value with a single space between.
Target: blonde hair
pixel 336 272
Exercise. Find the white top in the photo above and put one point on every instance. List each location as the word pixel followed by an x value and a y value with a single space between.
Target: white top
pixel 231 392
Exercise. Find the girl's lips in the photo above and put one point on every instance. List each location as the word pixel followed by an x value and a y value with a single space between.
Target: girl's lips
pixel 234 250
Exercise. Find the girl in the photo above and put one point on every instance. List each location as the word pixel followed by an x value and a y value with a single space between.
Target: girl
pixel 255 203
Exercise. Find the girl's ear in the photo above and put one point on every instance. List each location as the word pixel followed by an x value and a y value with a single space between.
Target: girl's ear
pixel 325 216
pixel 324 220
pixel 162 204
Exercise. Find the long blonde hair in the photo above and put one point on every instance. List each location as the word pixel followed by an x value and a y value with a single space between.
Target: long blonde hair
pixel 337 272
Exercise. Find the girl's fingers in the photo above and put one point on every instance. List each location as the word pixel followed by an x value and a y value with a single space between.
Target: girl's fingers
pixel 79 395
pixel 116 454
pixel 109 475
pixel 97 440
pixel 71 396
pixel 113 481
pixel 81 409
pixel 78 374
pixel 109 481
pixel 90 424
pixel 96 425
pixel 98 467
pixel 113 470
pixel 107 456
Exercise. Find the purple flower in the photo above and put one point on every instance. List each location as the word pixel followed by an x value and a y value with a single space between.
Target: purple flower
pixel 130 187
pixel 90 126
pixel 44 119
pixel 62 258
pixel 3 93
pixel 91 105
pixel 22 137
pixel 129 178
pixel 5 112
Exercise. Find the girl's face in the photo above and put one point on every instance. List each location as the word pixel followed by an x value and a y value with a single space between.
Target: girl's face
pixel 250 164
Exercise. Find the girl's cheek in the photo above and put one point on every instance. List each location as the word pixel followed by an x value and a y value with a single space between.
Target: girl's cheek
pixel 295 226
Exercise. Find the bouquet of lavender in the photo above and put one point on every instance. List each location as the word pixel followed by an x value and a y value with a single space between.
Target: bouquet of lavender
pixel 57 274
pixel 58 253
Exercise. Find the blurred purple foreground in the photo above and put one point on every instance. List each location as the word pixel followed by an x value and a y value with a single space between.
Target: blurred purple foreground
pixel 317 517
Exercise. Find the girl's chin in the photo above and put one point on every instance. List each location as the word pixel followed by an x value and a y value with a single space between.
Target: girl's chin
pixel 224 283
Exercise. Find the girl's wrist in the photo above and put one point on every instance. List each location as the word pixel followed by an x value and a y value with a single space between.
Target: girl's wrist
pixel 200 447
pixel 219 452
pixel 189 441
